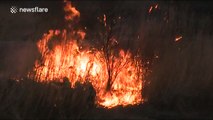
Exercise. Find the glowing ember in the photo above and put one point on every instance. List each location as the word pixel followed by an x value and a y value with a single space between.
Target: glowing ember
pixel 105 20
pixel 153 7
pixel 150 9
pixel 71 11
pixel 62 56
pixel 156 6
pixel 178 38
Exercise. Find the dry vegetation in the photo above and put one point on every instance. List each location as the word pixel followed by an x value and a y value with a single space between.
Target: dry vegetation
pixel 178 86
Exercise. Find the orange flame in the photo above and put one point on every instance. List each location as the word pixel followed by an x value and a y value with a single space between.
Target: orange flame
pixel 70 11
pixel 62 56
pixel 178 38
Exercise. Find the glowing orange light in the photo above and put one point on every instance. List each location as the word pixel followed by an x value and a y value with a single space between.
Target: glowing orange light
pixel 178 38
pixel 71 11
pixel 64 58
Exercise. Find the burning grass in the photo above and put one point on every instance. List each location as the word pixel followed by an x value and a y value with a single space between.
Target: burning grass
pixel 116 75
pixel 178 53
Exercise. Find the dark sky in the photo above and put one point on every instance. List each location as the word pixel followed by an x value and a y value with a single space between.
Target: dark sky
pixel 24 26
pixel 19 32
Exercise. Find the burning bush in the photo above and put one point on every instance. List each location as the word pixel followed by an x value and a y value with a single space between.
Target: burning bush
pixel 115 75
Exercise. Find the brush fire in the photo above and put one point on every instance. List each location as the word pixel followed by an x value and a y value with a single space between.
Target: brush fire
pixel 116 76
pixel 106 59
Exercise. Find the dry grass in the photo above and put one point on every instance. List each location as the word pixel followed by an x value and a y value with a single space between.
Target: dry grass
pixel 28 99
pixel 179 86
pixel 181 79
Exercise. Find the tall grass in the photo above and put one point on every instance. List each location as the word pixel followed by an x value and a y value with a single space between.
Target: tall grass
pixel 29 99
pixel 180 80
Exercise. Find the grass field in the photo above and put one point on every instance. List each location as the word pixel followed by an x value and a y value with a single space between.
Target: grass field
pixel 178 81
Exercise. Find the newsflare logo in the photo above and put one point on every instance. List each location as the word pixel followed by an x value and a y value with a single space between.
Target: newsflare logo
pixel 15 9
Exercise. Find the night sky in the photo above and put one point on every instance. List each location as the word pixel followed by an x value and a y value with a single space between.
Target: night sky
pixel 25 26
pixel 137 28
pixel 181 71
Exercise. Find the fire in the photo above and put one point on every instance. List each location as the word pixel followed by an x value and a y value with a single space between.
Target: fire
pixel 63 56
pixel 71 11
pixel 156 6
pixel 178 38
pixel 153 7
pixel 150 9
